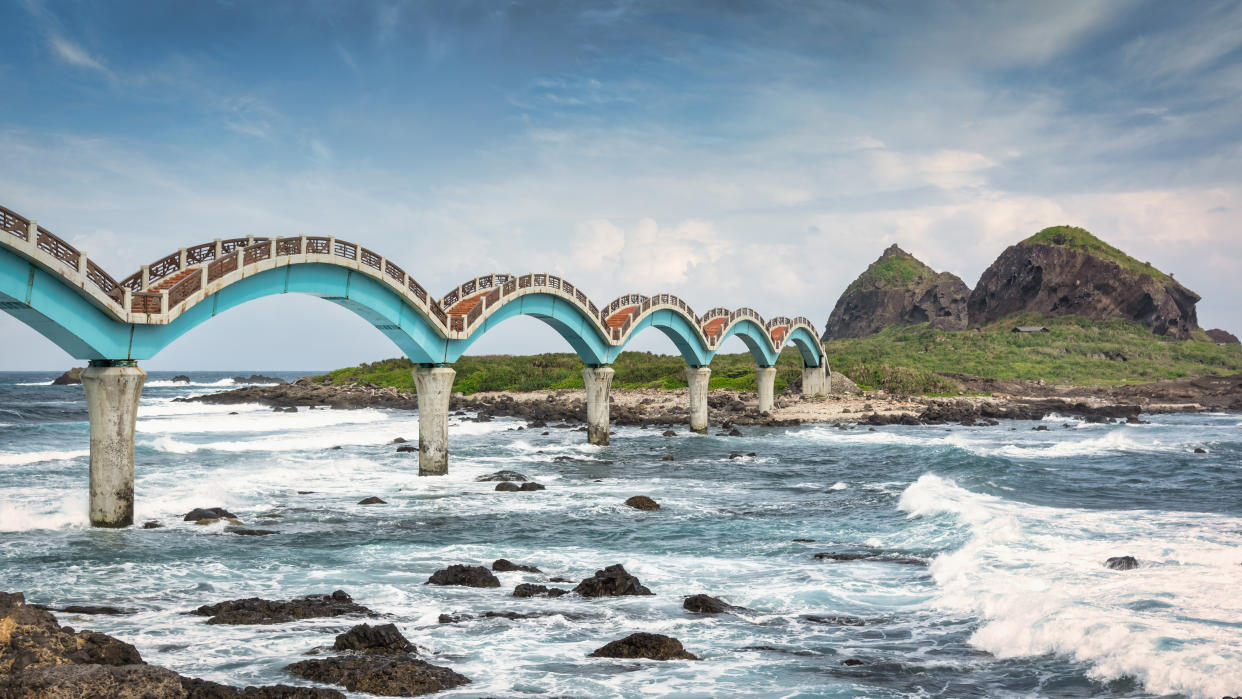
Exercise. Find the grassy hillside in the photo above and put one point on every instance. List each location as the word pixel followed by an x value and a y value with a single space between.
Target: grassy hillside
pixel 1075 351
pixel 893 270
pixel 1080 239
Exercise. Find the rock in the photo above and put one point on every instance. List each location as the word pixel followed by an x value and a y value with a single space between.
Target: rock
pixel 706 604
pixel 365 638
pixel 533 590
pixel 372 501
pixel 642 502
pixel 71 681
pixel 257 378
pixel 457 618
pixel 398 440
pixel 152 524
pixel 390 676
pixel 205 689
pixel 652 646
pixel 666 457
pixel 531 486
pixel 1200 450
pixel 852 662
pixel 502 476
pixel 668 433
pixel 1223 337
pixel 870 556
pixel 200 513
pixel 502 565
pixel 1065 270
pixel 507 487
pixel 1121 563
pixel 834 620
pixel 611 582
pixel 406 449
pixel 89 609
pixel 260 611
pixel 69 378
pixel 469 576
pixel 180 378
pixel 243 531
pixel 898 289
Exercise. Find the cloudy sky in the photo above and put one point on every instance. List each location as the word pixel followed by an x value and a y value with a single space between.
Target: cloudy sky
pixel 742 153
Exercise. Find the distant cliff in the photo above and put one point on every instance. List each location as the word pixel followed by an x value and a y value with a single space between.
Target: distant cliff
pixel 898 289
pixel 1067 271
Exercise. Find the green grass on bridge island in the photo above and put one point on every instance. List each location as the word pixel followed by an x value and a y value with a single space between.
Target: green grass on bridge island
pixel 906 360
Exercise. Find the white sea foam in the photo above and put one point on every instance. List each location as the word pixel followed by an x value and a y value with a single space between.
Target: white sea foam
pixel 35 383
pixel 34 457
pixel 1034 575
pixel 839 485
pixel 1052 444
pixel 257 421
pixel 15 517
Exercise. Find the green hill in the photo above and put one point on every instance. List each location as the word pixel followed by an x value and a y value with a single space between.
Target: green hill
pixel 1081 239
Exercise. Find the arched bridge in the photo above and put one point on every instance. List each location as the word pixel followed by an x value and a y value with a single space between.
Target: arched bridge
pixel 55 289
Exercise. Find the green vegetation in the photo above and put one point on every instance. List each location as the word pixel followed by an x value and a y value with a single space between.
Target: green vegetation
pixel 891 271
pixel 564 370
pixel 1074 351
pixel 1080 239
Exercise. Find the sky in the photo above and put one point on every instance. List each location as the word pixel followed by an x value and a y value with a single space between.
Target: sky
pixel 733 153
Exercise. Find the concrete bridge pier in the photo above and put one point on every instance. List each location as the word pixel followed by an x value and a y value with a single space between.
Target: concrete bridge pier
pixel 113 388
pixel 598 381
pixel 435 386
pixel 697 377
pixel 815 380
pixel 765 376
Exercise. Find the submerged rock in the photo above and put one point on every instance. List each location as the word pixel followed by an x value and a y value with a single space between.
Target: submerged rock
pixel 365 638
pixel 706 604
pixel 261 611
pixel 88 609
pixel 642 502
pixel 468 576
pixel 372 501
pixel 385 675
pixel 152 524
pixel 201 513
pixel 502 565
pixel 502 476
pixel 243 531
pixel 612 581
pixel 652 646
pixel 1121 563
pixel 533 590
pixel 457 618
pixel 839 557
pixel 834 620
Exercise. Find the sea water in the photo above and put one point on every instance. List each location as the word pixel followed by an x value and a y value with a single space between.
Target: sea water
pixel 1013 526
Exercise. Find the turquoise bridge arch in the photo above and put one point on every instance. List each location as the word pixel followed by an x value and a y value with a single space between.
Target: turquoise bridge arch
pixel 55 289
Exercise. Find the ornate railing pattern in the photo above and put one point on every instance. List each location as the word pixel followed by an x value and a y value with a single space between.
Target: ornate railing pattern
pixel 190 272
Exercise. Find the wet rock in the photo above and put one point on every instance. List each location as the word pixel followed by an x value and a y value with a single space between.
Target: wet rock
pixel 364 638
pixel 1200 450
pixel 515 616
pixel 852 662
pixel 69 378
pixel 90 609
pixel 71 681
pixel 502 476
pixel 560 580
pixel 833 620
pixel 531 486
pixel 652 646
pixel 468 576
pixel 390 676
pixel 260 611
pixel 533 590
pixel 803 541
pixel 399 440
pixel 151 524
pixel 612 581
pixel 180 378
pixel 407 449
pixel 666 457
pixel 205 689
pixel 200 513
pixel 668 433
pixel 1121 563
pixel 842 557
pixel 243 531
pixel 503 565
pixel 507 487
pixel 642 502
pixel 706 604
pixel 372 501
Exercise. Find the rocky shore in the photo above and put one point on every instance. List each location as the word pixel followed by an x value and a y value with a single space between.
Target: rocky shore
pixel 982 399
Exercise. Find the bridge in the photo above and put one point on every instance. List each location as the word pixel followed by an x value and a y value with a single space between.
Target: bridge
pixel 58 291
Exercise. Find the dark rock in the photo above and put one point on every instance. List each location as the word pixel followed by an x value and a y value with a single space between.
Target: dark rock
pixel 502 565
pixel 71 681
pixel 468 576
pixel 390 676
pixel 398 440
pixel 652 646
pixel 372 501
pixel 803 541
pixel 842 557
pixel 69 378
pixel 706 604
pixel 243 531
pixel 502 476
pixel 852 662
pixel 668 433
pixel 898 289
pixel 507 487
pixel 560 580
pixel 180 378
pixel 205 689
pixel 666 457
pixel 1067 271
pixel 531 486
pixel 365 638
pixel 532 590
pixel 406 449
pixel 152 524
pixel 1121 563
pixel 208 513
pixel 515 616
pixel 610 582
pixel 257 378
pixel 89 609
pixel 1200 450
pixel 834 620
pixel 642 502
pixel 1223 337
pixel 260 611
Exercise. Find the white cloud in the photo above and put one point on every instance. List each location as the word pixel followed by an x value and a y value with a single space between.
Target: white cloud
pixel 75 55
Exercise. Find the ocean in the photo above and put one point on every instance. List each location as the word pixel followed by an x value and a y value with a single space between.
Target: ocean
pixel 982 573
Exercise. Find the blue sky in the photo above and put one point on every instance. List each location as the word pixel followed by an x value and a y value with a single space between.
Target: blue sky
pixel 733 153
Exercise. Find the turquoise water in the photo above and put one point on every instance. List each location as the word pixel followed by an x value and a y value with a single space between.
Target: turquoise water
pixel 1013 523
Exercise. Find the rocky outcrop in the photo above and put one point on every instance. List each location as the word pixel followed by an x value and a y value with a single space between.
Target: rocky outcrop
pixel 389 676
pixel 1223 337
pixel 504 565
pixel 706 604
pixel 201 513
pixel 611 582
pixel 898 289
pixel 1121 563
pixel 642 502
pixel 365 638
pixel 468 576
pixel 652 646
pixel 1067 271
pixel 69 378
pixel 261 611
